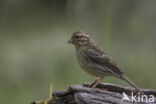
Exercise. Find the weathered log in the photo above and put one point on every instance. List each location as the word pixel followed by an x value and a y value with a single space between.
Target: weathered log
pixel 103 94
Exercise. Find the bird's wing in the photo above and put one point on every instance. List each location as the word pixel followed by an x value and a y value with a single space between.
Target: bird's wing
pixel 104 60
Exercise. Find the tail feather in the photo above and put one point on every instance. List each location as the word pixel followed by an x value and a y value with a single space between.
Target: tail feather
pixel 131 83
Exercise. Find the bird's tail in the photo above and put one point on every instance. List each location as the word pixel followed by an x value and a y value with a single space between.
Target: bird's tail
pixel 132 84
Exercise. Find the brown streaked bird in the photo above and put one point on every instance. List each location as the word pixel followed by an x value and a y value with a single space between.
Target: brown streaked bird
pixel 95 61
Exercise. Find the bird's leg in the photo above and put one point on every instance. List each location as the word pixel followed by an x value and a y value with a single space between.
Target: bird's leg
pixel 95 83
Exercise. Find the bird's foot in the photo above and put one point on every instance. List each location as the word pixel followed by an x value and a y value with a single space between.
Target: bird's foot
pixel 93 84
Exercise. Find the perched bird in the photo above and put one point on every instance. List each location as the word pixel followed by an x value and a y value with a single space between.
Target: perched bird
pixel 95 61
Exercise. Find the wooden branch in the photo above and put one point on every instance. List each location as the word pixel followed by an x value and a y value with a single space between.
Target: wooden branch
pixel 103 94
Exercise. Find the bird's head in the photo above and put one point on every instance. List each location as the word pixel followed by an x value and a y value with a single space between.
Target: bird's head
pixel 79 39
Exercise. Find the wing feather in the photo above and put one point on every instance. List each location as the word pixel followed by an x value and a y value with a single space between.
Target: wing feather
pixel 104 60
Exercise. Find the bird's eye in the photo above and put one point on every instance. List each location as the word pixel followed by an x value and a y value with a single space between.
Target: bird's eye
pixel 77 37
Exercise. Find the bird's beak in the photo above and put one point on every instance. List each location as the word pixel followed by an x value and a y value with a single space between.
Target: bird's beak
pixel 70 41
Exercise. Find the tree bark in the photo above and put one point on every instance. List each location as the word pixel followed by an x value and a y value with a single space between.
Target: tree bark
pixel 103 94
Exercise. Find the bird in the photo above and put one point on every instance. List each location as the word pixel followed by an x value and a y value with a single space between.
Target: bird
pixel 93 60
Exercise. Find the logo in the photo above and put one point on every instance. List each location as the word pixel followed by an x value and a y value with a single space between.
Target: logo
pixel 137 98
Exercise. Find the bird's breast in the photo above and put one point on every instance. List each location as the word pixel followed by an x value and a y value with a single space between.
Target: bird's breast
pixel 82 57
pixel 85 63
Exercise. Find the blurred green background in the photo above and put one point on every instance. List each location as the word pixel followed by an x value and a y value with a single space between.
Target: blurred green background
pixel 34 52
